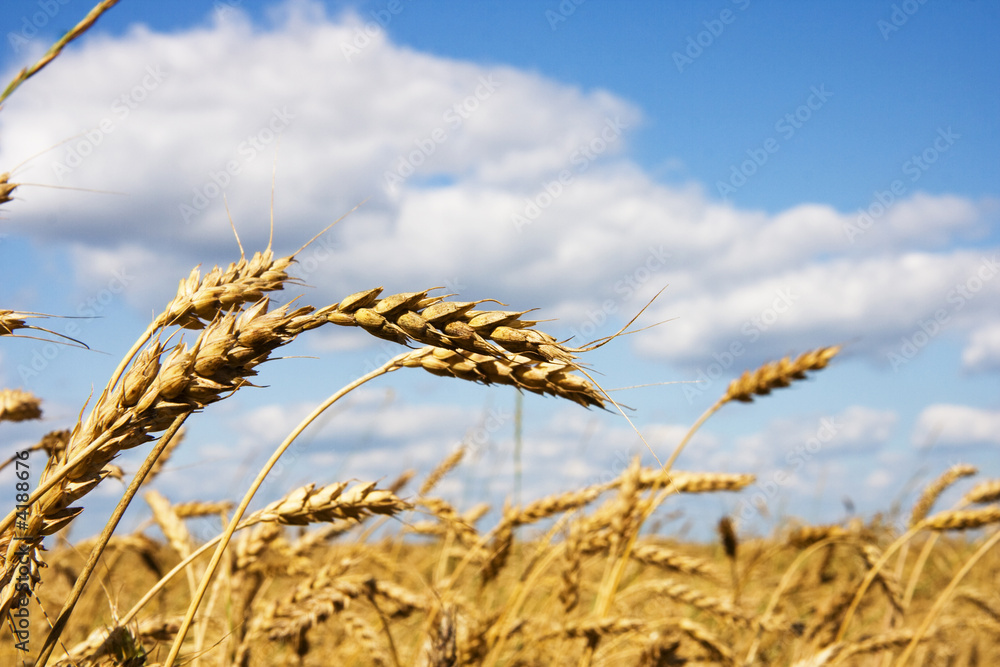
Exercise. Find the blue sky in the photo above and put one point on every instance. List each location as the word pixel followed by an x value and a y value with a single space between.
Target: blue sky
pixel 742 142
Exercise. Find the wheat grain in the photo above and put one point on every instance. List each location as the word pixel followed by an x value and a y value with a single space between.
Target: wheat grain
pixel 824 623
pixel 694 482
pixel 119 645
pixel 714 605
pixel 516 370
pixel 197 508
pixel 451 325
pixel 19 406
pixel 442 469
pixel 806 536
pixel 704 638
pixel 935 489
pixel 962 519
pixel 440 648
pixel 308 505
pixel 449 517
pixel 366 637
pixel 778 374
pixel 984 492
pixel 571 575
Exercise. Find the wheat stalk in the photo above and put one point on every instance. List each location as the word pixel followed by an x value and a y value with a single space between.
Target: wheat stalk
pixel 887 580
pixel 761 382
pixel 99 9
pixel 935 489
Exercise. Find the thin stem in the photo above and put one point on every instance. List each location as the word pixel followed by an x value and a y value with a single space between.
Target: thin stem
pixel 105 537
pixel 701 420
pixel 206 580
pixel 57 48
pixel 870 577
pixel 943 598
pixel 785 582
pixel 158 586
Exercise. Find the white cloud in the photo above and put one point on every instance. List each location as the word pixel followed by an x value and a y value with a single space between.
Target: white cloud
pixel 957 425
pixel 789 443
pixel 178 108
pixel 983 350
pixel 880 480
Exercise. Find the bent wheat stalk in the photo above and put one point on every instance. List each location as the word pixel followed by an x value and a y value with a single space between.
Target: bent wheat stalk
pixel 766 378
pixel 393 364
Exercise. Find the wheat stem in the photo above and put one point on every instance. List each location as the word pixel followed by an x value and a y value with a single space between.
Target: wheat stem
pixel 871 576
pixel 944 597
pixel 389 366
pixel 57 48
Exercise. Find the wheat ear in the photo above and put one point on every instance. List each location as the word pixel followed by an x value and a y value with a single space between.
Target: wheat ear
pixel 447 324
pixel 19 406
pixel 761 382
pixel 935 489
pixel 393 364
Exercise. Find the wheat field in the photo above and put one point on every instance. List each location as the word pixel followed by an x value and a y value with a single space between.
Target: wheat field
pixel 388 573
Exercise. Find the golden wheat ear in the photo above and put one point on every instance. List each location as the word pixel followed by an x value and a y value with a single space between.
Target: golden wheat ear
pixel 18 406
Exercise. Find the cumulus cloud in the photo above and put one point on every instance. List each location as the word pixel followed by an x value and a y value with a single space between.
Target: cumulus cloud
pixel 492 181
pixel 957 425
pixel 983 350
pixel 794 442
